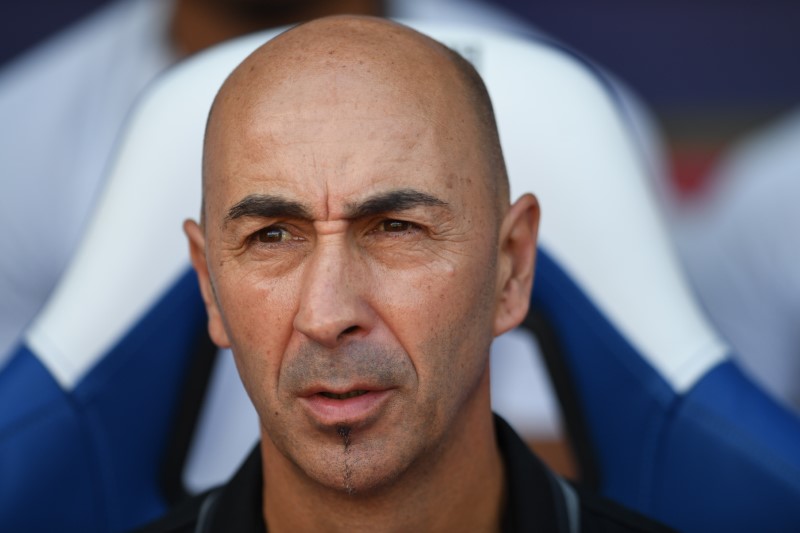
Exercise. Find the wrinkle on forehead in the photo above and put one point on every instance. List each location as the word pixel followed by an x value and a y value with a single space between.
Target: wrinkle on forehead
pixel 371 68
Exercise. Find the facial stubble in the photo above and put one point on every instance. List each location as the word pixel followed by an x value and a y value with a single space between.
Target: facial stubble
pixel 347 472
pixel 356 362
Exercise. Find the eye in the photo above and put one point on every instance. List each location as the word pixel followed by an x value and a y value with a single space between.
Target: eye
pixel 395 226
pixel 272 235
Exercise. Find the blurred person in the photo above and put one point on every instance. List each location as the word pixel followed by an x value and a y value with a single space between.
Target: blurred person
pixel 361 209
pixel 62 105
pixel 741 250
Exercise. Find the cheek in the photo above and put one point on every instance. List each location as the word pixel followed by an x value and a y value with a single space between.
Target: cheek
pixel 413 301
pixel 442 317
pixel 258 315
pixel 442 292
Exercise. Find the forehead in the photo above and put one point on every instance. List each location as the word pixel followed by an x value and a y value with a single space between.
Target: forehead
pixel 333 134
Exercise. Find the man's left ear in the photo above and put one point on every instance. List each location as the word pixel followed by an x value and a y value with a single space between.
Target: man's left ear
pixel 517 257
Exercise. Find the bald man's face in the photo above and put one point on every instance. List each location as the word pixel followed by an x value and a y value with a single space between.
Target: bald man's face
pixel 351 244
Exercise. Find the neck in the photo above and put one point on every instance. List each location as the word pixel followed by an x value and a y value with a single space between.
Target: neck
pixel 198 24
pixel 460 487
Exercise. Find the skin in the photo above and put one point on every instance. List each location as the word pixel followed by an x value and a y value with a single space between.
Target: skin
pixel 357 234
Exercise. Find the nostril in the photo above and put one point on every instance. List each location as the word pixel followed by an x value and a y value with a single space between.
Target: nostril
pixel 349 330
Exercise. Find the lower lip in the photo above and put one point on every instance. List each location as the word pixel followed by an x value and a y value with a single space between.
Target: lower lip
pixel 351 411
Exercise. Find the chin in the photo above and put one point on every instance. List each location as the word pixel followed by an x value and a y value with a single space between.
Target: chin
pixel 358 469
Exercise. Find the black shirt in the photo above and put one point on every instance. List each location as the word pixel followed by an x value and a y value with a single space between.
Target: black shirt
pixel 537 500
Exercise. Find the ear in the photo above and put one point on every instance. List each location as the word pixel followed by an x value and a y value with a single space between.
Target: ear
pixel 517 258
pixel 197 251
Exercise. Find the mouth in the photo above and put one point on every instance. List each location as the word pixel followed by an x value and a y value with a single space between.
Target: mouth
pixel 345 396
pixel 354 407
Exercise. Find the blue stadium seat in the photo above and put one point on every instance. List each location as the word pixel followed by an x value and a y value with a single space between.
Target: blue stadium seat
pixel 92 401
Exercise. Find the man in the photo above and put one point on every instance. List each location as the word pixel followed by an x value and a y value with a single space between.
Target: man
pixel 358 252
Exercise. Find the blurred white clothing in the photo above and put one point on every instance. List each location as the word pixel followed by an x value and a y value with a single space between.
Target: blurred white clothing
pixel 61 108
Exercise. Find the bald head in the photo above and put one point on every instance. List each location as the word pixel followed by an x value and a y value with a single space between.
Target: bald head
pixel 360 61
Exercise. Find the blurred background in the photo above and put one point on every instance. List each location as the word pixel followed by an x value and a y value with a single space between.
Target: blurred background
pixel 711 70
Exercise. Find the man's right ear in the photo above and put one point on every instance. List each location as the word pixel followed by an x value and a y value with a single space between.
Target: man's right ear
pixel 197 252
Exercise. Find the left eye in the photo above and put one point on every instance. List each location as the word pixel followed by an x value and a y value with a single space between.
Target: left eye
pixel 272 235
pixel 395 226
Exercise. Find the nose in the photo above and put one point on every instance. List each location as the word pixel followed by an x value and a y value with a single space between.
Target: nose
pixel 331 307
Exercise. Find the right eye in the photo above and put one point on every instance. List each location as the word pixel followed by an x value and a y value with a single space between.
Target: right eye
pixel 272 235
pixel 395 226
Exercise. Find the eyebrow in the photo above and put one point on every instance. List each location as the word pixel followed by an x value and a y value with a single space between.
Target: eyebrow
pixel 270 206
pixel 267 206
pixel 398 200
